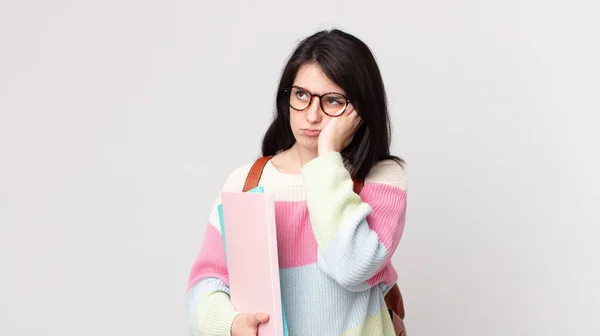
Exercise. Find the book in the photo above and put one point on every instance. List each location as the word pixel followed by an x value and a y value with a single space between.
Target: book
pixel 247 221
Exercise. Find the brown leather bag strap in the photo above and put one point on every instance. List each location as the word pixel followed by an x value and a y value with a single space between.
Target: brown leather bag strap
pixel 255 172
pixel 394 301
pixel 358 185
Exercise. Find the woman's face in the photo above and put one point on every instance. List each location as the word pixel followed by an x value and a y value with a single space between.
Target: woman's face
pixel 306 125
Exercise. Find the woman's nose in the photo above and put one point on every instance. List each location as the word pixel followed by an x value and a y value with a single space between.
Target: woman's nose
pixel 314 113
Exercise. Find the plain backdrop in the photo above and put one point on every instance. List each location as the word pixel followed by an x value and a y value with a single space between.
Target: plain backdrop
pixel 120 120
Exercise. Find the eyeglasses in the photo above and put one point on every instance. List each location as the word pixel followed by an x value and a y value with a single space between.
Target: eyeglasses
pixel 332 103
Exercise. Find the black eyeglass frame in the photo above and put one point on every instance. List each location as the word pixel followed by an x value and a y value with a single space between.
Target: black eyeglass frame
pixel 312 95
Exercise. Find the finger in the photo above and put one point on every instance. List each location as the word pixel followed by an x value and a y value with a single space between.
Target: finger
pixel 359 123
pixel 352 110
pixel 252 321
pixel 354 116
pixel 261 317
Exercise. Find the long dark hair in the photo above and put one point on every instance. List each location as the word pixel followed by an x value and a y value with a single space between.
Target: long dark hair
pixel 349 63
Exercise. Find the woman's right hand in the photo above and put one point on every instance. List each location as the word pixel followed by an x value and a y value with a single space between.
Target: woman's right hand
pixel 245 324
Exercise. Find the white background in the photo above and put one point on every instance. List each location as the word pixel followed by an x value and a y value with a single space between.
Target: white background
pixel 120 120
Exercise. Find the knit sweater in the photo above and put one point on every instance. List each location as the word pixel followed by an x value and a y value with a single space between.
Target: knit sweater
pixel 334 250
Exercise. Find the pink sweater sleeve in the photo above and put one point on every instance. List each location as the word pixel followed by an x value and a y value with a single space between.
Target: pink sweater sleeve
pixel 209 306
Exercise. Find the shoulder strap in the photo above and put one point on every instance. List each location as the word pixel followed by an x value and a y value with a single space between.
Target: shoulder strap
pixel 256 172
pixel 358 185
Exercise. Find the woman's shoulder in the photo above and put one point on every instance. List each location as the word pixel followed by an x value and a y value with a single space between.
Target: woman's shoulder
pixel 237 177
pixel 388 172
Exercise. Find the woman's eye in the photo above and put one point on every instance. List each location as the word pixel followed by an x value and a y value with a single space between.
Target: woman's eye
pixel 300 94
pixel 332 101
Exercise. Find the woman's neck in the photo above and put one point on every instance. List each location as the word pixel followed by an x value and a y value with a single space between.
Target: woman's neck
pixel 302 155
pixel 292 160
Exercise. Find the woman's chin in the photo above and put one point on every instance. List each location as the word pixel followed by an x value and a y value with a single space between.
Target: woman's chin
pixel 312 145
pixel 307 143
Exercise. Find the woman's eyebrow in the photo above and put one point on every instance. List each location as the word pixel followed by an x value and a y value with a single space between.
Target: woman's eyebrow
pixel 319 93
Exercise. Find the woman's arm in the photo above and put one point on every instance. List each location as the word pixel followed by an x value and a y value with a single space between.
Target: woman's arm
pixel 209 306
pixel 356 235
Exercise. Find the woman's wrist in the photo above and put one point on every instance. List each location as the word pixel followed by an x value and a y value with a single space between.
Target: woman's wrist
pixel 326 149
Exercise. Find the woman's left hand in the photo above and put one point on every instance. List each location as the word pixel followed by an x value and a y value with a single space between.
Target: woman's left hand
pixel 339 131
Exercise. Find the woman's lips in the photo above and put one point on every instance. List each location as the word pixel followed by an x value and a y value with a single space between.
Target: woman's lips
pixel 312 132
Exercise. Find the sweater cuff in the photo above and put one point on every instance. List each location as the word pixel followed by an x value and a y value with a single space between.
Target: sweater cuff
pixel 224 325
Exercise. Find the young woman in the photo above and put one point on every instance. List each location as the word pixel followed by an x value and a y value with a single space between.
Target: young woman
pixel 335 246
